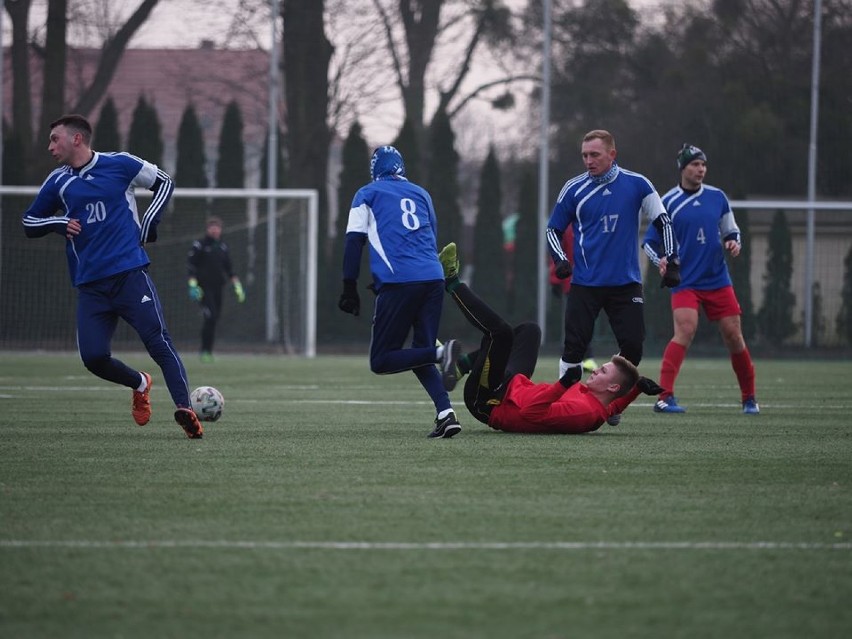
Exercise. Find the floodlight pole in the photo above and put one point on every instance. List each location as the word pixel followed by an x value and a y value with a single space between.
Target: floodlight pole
pixel 2 130
pixel 272 183
pixel 812 157
pixel 543 157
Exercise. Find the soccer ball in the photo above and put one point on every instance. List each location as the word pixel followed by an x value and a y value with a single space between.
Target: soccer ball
pixel 207 402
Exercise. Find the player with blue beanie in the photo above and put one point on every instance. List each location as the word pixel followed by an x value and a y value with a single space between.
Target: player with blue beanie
pixel 398 220
pixel 705 228
pixel 90 200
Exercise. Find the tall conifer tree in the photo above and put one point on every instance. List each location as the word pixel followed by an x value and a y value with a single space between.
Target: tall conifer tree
pixel 145 138
pixel 775 318
pixel 489 273
pixel 106 135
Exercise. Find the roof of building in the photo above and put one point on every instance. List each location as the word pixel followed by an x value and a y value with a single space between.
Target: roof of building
pixel 170 79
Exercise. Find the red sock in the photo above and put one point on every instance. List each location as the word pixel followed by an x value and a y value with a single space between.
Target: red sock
pixel 673 357
pixel 744 370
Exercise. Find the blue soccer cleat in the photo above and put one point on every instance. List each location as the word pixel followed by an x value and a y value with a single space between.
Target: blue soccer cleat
pixel 668 405
pixel 750 406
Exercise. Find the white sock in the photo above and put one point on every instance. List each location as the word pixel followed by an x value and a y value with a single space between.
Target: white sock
pixel 564 366
pixel 444 413
pixel 143 385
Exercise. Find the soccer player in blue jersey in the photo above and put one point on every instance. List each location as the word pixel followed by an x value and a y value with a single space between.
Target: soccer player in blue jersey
pixel 397 217
pixel 90 201
pixel 604 207
pixel 705 228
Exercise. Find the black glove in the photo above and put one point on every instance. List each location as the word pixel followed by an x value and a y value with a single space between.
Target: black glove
pixel 672 276
pixel 649 386
pixel 571 376
pixel 564 269
pixel 349 300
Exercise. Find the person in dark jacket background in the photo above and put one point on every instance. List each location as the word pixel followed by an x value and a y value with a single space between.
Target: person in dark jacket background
pixel 209 268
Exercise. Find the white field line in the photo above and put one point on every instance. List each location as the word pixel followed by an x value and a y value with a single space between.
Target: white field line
pixel 11 544
pixel 6 390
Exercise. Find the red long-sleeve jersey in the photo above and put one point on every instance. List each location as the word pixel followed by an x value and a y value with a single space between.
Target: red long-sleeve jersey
pixel 528 407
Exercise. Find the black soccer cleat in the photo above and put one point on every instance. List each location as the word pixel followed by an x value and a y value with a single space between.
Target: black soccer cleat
pixel 446 427
pixel 449 369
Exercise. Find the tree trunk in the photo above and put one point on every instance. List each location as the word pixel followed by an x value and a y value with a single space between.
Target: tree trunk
pixel 22 106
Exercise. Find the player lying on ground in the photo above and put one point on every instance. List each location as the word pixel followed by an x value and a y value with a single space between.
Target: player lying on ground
pixel 499 392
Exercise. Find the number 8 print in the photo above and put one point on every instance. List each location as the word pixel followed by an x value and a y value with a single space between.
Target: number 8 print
pixel 409 214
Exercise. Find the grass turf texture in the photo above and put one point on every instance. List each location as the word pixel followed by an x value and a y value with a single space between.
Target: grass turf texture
pixel 317 507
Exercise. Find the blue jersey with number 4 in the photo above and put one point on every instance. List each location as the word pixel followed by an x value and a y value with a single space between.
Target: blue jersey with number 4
pixel 702 221
pixel 398 219
pixel 101 196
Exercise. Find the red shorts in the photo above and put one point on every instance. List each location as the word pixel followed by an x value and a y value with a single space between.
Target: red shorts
pixel 718 303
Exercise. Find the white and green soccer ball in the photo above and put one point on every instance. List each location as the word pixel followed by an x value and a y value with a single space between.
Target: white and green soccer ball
pixel 208 403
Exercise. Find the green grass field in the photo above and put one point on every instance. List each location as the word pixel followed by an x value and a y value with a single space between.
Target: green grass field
pixel 316 507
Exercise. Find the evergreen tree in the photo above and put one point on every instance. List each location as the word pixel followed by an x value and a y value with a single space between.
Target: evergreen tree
pixel 106 136
pixel 740 268
pixel 354 173
pixel 775 318
pixel 406 143
pixel 844 316
pixel 525 265
pixel 230 166
pixel 489 273
pixel 442 182
pixel 145 138
pixel 191 166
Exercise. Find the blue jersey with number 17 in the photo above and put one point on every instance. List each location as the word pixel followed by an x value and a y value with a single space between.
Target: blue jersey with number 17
pixel 606 217
pixel 398 218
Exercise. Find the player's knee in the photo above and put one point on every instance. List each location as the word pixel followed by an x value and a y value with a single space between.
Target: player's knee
pixel 529 330
pixel 379 365
pixel 96 364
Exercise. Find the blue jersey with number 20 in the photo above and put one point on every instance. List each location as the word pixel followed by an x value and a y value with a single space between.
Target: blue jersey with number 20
pixel 101 195
pixel 398 218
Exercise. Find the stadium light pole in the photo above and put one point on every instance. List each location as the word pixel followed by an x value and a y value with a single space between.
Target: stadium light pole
pixel 272 183
pixel 812 158
pixel 543 156
pixel 2 129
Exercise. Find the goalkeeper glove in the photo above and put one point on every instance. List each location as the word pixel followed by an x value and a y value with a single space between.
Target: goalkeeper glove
pixel 649 386
pixel 672 276
pixel 571 376
pixel 239 291
pixel 195 292
pixel 349 300
pixel 564 269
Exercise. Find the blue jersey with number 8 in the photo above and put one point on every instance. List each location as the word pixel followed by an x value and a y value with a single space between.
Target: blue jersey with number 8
pixel 398 219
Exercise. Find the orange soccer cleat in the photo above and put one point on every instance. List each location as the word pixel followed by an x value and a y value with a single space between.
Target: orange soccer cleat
pixel 188 420
pixel 141 407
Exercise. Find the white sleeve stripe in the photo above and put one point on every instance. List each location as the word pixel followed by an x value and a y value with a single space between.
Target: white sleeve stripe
pixel 555 244
pixel 161 198
pixel 652 254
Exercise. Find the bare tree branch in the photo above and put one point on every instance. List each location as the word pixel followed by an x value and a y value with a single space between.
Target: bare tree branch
pixel 111 54
pixel 490 85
